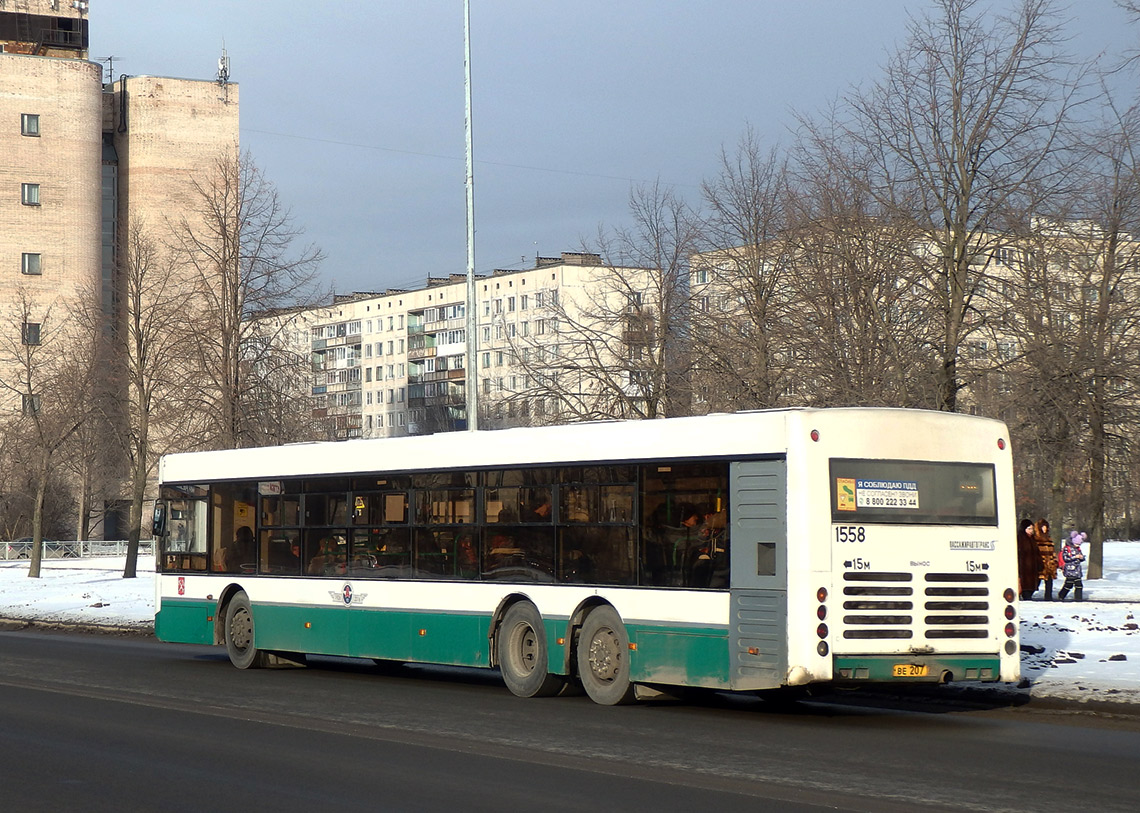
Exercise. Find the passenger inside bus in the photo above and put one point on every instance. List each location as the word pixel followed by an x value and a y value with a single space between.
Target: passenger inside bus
pixel 237 556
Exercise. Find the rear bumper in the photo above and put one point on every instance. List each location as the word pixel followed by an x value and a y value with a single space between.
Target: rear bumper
pixel 916 669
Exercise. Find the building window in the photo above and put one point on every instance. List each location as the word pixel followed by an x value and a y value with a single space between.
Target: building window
pixel 510 304
pixel 31 333
pixel 30 194
pixel 30 263
pixel 30 124
pixel 31 404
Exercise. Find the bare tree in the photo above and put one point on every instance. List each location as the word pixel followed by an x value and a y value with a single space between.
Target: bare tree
pixel 860 326
pixel 617 347
pixel 955 134
pixel 739 293
pixel 1108 256
pixel 236 245
pixel 152 353
pixel 49 379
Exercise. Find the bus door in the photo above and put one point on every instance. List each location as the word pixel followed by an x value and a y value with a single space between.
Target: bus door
pixel 758 594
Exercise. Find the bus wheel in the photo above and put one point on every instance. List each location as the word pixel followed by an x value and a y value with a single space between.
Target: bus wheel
pixel 521 644
pixel 603 658
pixel 239 634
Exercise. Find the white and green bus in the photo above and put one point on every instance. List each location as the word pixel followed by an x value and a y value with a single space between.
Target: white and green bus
pixel 737 552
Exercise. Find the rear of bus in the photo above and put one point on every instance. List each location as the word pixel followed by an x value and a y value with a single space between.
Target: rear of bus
pixel 917 578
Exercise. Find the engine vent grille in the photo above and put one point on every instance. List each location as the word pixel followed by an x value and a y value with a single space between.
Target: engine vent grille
pixel 884 605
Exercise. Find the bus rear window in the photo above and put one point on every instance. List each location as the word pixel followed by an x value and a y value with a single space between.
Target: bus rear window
pixel 912 492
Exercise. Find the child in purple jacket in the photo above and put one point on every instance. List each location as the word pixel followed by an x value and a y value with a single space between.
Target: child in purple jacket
pixel 1071 558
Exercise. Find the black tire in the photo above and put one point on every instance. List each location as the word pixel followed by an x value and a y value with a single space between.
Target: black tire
pixel 239 634
pixel 521 647
pixel 603 658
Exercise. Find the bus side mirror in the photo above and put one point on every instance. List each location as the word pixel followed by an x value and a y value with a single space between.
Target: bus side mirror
pixel 158 522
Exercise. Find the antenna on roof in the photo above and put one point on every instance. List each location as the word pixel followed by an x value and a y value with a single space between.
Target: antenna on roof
pixel 224 66
pixel 109 61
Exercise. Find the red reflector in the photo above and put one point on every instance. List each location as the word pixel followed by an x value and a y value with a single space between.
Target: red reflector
pixel 815 435
pixel 1010 630
pixel 821 630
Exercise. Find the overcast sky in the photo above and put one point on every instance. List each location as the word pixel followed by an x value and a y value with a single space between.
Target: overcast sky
pixel 355 110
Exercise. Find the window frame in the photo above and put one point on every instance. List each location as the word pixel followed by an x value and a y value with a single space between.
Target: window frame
pixel 30 125
pixel 26 263
pixel 31 334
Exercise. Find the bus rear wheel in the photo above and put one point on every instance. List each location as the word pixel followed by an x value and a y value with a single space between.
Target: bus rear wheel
pixel 521 646
pixel 603 658
pixel 239 634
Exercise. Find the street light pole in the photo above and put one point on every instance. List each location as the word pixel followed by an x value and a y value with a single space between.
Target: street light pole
pixel 471 379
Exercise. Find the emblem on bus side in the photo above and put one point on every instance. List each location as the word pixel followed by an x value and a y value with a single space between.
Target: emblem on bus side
pixel 347 595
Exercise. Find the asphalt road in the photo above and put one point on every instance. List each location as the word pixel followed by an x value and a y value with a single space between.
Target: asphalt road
pixel 101 723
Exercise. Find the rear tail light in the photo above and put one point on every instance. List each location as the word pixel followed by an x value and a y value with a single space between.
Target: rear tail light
pixel 1010 630
pixel 1009 595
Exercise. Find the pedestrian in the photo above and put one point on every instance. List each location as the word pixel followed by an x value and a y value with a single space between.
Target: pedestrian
pixel 1071 558
pixel 1047 561
pixel 1027 559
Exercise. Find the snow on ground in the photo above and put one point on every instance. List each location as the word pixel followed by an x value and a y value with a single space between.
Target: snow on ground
pixel 80 591
pixel 1075 651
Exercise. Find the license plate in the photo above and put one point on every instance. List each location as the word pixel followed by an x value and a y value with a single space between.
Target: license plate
pixel 911 670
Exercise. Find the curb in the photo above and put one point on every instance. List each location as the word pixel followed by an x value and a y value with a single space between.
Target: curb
pixel 143 630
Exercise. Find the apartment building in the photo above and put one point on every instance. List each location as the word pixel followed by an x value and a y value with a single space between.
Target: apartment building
pixel 85 159
pixel 395 363
pixel 50 188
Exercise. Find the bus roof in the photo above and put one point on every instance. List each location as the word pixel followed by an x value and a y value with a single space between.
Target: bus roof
pixel 735 435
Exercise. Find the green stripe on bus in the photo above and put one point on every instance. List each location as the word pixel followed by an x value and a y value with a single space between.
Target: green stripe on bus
pixel 682 655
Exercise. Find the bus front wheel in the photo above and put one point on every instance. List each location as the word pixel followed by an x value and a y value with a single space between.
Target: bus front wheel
pixel 239 634
pixel 603 658
pixel 521 646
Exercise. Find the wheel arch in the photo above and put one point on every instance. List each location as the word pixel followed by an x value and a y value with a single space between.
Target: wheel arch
pixel 224 599
pixel 505 604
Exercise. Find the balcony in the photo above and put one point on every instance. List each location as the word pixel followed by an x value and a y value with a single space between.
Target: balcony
pixel 421 353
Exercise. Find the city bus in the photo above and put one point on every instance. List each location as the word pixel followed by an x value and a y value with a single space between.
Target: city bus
pixel 737 552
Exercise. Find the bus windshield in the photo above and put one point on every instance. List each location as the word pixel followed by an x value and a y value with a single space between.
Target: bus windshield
pixel 911 492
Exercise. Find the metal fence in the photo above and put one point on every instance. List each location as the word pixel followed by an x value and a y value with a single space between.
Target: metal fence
pixel 22 549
